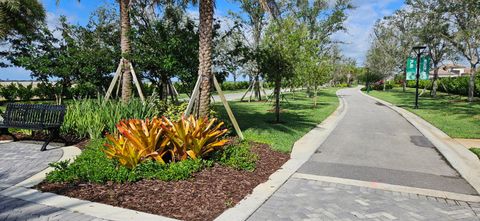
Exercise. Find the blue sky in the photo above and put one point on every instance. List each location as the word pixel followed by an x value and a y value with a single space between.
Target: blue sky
pixel 357 37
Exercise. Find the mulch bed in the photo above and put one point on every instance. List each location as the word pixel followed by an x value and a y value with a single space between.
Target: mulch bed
pixel 203 197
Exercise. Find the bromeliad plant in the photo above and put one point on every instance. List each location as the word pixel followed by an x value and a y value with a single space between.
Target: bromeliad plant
pixel 163 140
pixel 136 141
pixel 194 137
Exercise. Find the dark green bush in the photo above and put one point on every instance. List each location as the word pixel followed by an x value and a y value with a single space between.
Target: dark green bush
pixel 231 86
pixel 237 156
pixel 25 93
pixel 9 92
pixel 454 85
pixel 83 90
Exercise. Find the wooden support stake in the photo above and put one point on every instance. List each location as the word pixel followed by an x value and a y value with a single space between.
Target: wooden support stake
pixel 119 84
pixel 196 89
pixel 246 92
pixel 114 80
pixel 137 84
pixel 227 107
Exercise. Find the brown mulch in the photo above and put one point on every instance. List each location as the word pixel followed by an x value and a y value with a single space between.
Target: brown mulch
pixel 203 197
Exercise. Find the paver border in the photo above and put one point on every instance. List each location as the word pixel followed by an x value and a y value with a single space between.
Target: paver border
pixel 302 150
pixel 460 158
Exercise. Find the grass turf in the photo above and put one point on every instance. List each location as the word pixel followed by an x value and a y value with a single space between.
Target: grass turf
pixel 450 113
pixel 298 116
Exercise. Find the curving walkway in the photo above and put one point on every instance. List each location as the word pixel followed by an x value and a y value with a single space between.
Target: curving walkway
pixel 371 145
pixel 19 161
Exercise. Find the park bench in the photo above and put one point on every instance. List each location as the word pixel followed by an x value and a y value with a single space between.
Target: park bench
pixel 33 117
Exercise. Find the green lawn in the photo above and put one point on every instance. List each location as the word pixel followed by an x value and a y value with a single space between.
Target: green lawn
pixel 450 113
pixel 298 116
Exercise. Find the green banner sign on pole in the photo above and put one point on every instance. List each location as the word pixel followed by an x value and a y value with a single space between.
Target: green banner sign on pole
pixel 424 68
pixel 412 68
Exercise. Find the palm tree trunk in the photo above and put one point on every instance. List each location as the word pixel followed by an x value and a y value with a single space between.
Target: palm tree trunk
pixel 125 48
pixel 205 54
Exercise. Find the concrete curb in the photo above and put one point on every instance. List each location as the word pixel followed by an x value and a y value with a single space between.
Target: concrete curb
pixel 302 150
pixel 460 158
pixel 98 210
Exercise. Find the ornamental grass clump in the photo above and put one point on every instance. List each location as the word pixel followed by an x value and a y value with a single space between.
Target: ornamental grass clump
pixel 164 141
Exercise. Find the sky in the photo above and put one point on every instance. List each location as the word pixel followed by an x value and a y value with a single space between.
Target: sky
pixel 356 39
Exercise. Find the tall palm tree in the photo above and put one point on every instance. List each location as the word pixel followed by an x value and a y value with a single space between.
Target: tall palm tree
pixel 206 9
pixel 125 49
pixel 205 54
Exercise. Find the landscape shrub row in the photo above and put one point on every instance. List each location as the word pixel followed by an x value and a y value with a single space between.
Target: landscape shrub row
pixel 45 91
pixel 454 85
pixel 90 118
pixel 93 165
pixel 379 85
pixel 49 91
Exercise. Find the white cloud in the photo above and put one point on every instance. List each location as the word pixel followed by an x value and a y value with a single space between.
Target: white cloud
pixel 359 27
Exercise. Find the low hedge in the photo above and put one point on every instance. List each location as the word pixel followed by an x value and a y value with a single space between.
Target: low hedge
pixel 454 85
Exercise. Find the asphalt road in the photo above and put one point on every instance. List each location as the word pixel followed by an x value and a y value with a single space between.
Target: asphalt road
pixel 374 143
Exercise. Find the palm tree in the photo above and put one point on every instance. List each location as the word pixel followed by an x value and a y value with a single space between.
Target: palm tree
pixel 205 54
pixel 125 49
pixel 206 9
pixel 20 16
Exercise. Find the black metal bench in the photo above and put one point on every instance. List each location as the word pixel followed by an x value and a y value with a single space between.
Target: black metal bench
pixel 34 117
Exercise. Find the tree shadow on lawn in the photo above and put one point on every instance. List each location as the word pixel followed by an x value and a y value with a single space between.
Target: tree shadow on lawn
pixel 292 116
pixel 454 106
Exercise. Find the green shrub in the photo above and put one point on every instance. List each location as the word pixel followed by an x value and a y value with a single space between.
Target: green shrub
pixel 92 165
pixel 342 85
pixel 237 156
pixel 90 117
pixel 9 92
pixel 231 86
pixel 25 93
pixel 45 91
pixel 453 85
pixel 83 90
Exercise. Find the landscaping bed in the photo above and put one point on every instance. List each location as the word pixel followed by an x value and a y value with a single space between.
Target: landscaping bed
pixel 204 196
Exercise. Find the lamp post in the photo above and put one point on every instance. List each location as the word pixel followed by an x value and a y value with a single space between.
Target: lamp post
pixel 418 51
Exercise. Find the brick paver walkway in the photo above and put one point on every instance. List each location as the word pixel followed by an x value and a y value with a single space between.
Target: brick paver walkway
pixel 371 143
pixel 19 161
pixel 302 199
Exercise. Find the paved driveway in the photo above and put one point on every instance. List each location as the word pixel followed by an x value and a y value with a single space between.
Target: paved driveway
pixel 375 144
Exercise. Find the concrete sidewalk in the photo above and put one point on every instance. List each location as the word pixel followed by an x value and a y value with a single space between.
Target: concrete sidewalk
pixel 372 145
pixel 19 161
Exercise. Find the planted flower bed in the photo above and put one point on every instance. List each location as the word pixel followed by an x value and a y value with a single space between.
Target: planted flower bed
pixel 185 169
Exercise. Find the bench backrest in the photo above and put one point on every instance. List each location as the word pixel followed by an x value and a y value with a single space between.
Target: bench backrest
pixel 34 116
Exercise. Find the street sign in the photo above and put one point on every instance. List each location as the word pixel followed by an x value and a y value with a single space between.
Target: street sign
pixel 412 68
